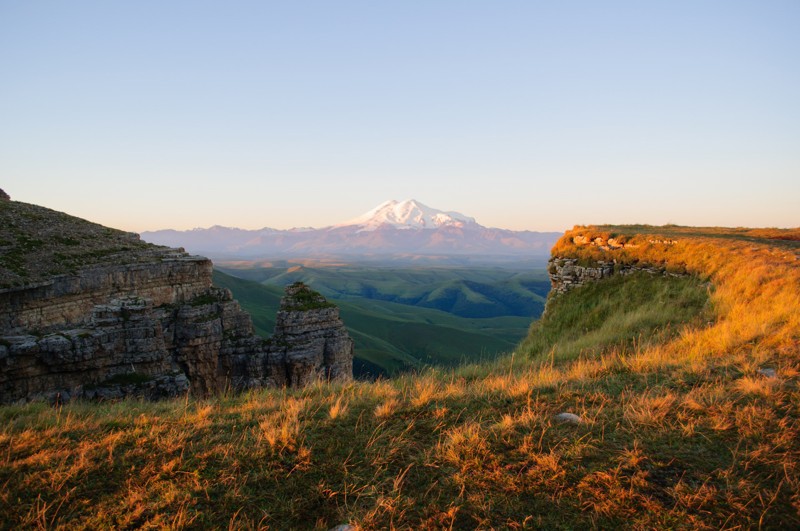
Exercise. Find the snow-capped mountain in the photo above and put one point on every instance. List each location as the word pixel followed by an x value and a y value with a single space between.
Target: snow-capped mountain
pixel 410 214
pixel 392 230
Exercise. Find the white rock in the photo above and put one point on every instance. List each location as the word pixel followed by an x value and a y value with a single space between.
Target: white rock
pixel 569 418
pixel 769 373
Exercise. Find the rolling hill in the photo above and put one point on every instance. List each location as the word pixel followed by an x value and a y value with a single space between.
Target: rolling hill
pixel 475 292
pixel 390 336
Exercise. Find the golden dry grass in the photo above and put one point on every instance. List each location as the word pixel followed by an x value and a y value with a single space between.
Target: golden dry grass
pixel 682 433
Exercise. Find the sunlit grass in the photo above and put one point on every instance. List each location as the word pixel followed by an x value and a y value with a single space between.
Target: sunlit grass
pixel 622 311
pixel 681 426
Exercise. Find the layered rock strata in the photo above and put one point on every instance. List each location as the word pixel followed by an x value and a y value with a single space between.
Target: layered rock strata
pixel 141 320
pixel 162 276
pixel 130 346
pixel 312 338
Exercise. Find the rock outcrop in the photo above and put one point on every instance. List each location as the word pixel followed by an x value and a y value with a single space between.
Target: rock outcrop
pixel 567 273
pixel 312 337
pixel 87 311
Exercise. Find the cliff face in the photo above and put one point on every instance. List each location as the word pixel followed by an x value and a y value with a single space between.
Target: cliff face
pixel 162 276
pixel 312 338
pixel 92 312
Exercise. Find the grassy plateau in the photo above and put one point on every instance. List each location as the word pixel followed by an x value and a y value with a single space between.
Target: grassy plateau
pixel 685 387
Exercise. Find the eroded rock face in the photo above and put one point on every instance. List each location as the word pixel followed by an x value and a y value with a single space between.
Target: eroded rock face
pixel 143 320
pixel 128 346
pixel 168 276
pixel 202 345
pixel 312 337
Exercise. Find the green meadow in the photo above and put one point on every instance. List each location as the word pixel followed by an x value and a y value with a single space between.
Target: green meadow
pixel 406 318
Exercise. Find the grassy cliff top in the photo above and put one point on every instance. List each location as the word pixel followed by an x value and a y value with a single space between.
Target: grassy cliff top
pixel 696 250
pixel 299 297
pixel 37 243
pixel 689 418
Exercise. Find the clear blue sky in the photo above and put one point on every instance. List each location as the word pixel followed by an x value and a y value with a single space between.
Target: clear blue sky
pixel 526 115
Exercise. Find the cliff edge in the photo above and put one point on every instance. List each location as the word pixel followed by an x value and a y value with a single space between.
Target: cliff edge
pixel 94 312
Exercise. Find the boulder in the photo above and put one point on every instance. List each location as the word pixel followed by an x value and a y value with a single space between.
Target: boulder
pixel 569 418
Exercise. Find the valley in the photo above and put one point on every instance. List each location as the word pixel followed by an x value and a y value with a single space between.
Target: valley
pixel 417 286
pixel 404 318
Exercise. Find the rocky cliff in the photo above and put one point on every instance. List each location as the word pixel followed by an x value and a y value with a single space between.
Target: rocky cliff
pixel 604 257
pixel 93 312
pixel 312 337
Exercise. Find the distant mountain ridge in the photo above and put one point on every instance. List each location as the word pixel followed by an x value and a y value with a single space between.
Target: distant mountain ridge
pixel 407 229
pixel 410 214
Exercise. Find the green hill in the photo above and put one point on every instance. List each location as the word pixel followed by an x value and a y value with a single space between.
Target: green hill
pixel 392 337
pixel 261 302
pixel 474 292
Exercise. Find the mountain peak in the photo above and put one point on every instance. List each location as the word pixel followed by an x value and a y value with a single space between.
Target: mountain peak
pixel 408 214
pixel 408 230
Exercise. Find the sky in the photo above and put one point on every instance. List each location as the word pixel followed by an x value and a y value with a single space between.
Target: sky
pixel 522 114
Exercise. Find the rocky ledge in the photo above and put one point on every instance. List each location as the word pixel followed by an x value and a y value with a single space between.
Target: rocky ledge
pixel 568 272
pixel 87 311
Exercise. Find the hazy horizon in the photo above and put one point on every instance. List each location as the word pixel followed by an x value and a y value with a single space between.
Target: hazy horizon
pixel 529 116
